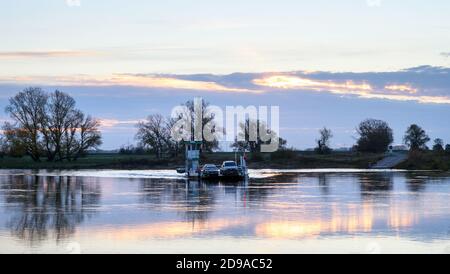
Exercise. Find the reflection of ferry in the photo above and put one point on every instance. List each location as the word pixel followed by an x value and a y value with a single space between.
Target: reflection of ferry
pixel 229 169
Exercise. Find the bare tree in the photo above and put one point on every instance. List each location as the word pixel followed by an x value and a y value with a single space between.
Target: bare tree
pixel 89 135
pixel 248 137
pixel 250 140
pixel 207 118
pixel 13 143
pixel 154 134
pixel 323 143
pixel 82 134
pixel 174 147
pixel 27 109
pixel 50 125
pixel 58 120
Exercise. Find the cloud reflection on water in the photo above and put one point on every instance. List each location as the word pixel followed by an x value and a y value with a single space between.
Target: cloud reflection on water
pixel 44 209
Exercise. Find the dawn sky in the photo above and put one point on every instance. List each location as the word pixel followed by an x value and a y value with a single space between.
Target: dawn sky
pixel 325 63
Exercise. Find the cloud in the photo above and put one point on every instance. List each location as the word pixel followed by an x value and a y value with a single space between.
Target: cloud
pixel 111 123
pixel 401 88
pixel 445 54
pixel 293 82
pixel 349 87
pixel 424 84
pixel 144 81
pixel 173 83
pixel 45 54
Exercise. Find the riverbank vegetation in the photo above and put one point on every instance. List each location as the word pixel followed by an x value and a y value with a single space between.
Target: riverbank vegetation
pixel 48 126
pixel 46 130
pixel 427 160
pixel 277 160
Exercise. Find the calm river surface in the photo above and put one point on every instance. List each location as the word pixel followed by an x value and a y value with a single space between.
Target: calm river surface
pixel 276 211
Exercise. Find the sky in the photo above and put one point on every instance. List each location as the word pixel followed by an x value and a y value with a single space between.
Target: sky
pixel 325 63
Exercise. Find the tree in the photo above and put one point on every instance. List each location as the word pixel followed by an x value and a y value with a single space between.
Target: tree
pixel 207 118
pixel 248 142
pixel 438 145
pixel 323 143
pixel 49 125
pixel 250 139
pixel 173 146
pixel 416 138
pixel 27 109
pixel 154 133
pixel 89 135
pixel 374 136
pixel 13 141
pixel 447 148
pixel 283 144
pixel 60 114
pixel 3 146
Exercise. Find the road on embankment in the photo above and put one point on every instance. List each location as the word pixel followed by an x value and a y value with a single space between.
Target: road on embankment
pixel 391 160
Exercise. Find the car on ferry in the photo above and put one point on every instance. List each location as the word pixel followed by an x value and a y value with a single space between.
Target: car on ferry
pixel 210 171
pixel 230 169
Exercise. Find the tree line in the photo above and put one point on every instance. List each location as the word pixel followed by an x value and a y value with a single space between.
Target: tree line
pixel 375 136
pixel 48 126
pixel 155 134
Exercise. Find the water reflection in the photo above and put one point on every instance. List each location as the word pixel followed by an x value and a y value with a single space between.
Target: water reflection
pixel 415 182
pixel 376 185
pixel 48 206
pixel 324 184
pixel 290 207
pixel 194 199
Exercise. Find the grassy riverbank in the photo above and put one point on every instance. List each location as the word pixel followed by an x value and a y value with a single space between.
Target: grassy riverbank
pixel 427 160
pixel 281 160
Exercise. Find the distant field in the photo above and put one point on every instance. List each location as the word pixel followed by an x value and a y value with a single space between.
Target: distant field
pixel 282 159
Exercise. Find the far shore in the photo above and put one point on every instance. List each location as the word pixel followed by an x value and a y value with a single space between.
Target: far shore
pixel 279 160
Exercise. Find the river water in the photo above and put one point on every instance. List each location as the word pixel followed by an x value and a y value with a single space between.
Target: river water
pixel 275 211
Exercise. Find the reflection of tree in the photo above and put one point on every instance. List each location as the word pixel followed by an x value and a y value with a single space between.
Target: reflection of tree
pixel 199 200
pixel 415 182
pixel 324 184
pixel 48 205
pixel 259 189
pixel 375 184
pixel 196 200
